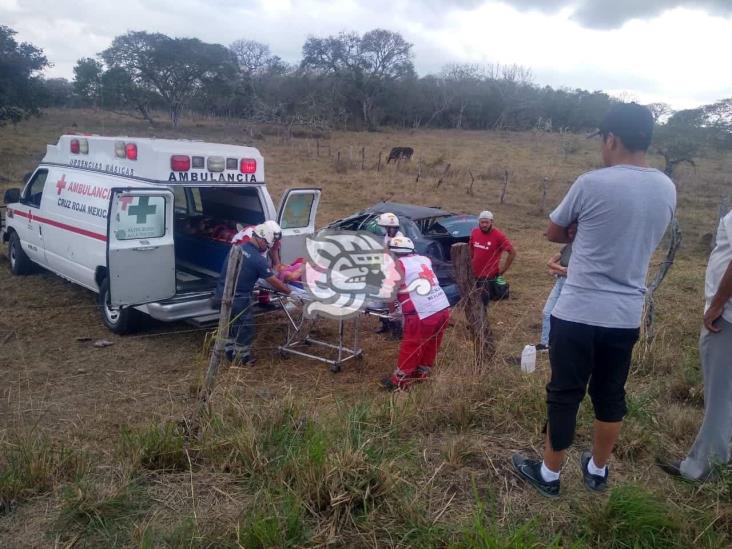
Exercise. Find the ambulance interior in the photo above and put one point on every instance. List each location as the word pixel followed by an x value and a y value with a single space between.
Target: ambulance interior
pixel 206 220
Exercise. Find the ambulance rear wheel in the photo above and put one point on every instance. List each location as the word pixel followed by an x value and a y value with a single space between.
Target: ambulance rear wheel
pixel 120 320
pixel 20 263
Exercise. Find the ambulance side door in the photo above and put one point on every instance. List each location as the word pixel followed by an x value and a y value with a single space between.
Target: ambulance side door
pixel 296 216
pixel 140 247
pixel 31 230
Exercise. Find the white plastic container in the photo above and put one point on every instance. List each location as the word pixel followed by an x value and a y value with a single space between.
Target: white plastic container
pixel 528 359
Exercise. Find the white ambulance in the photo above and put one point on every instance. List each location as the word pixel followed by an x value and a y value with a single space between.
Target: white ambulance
pixel 145 223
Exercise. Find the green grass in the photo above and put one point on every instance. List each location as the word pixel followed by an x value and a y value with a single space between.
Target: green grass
pixel 31 464
pixel 156 447
pixel 279 524
pixel 102 514
pixel 633 518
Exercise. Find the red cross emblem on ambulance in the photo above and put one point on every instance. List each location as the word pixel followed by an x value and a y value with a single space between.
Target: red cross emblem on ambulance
pixel 61 184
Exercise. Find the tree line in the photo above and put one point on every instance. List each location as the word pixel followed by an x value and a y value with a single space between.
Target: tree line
pixel 343 81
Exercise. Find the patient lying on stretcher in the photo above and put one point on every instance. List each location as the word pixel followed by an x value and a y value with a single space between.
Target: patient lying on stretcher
pixel 292 273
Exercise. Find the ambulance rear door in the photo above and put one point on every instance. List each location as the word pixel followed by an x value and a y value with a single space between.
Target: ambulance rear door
pixel 296 216
pixel 140 249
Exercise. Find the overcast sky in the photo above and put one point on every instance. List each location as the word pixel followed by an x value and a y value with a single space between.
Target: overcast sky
pixel 654 50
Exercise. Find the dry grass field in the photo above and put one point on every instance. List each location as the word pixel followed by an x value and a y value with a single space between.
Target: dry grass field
pixel 91 450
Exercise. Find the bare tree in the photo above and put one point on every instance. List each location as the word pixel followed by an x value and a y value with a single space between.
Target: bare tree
pixel 251 56
pixel 366 63
pixel 461 79
pixel 660 111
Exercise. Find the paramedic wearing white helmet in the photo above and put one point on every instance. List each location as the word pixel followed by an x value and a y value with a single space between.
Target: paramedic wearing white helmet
pixel 426 312
pixel 274 252
pixel 390 224
pixel 254 266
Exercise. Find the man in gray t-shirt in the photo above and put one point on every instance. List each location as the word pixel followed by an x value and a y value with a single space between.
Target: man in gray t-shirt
pixel 621 213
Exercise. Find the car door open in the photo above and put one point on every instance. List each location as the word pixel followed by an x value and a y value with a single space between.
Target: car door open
pixel 140 247
pixel 296 217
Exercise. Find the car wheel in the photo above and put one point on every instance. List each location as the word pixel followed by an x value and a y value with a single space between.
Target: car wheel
pixel 20 263
pixel 120 320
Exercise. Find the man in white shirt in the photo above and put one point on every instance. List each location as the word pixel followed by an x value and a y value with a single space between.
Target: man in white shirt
pixel 712 446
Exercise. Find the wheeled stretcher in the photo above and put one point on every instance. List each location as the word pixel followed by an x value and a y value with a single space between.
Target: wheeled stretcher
pixel 298 340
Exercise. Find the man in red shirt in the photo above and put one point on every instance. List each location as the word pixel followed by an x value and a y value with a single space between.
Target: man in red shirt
pixel 487 245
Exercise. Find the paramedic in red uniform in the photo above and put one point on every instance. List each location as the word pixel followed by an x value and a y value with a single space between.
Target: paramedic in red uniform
pixel 426 311
pixel 487 245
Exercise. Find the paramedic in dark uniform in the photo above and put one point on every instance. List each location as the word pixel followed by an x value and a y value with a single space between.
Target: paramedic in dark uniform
pixel 254 266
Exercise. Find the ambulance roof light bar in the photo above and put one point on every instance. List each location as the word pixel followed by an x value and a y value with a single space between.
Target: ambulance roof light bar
pixel 125 150
pixel 131 150
pixel 248 165
pixel 180 163
pixel 79 146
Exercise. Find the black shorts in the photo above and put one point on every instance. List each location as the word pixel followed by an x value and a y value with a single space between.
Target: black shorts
pixel 581 354
pixel 490 290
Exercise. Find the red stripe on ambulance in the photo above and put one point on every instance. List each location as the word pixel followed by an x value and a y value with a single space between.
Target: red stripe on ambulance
pixel 29 215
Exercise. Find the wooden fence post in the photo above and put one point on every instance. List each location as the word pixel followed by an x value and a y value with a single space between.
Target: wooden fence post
pixel 544 184
pixel 505 186
pixel 650 305
pixel 378 166
pixel 317 148
pixel 444 174
pixel 470 300
pixel 472 180
pixel 363 157
pixel 222 336
pixel 419 170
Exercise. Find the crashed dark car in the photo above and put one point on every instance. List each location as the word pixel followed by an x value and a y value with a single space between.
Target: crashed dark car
pixel 432 229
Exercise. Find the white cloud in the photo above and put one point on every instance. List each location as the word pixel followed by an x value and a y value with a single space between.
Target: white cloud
pixel 677 56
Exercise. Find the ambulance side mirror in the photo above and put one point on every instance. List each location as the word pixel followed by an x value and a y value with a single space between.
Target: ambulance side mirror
pixel 11 196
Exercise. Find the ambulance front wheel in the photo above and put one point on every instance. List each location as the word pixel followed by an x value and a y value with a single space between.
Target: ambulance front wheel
pixel 20 263
pixel 120 320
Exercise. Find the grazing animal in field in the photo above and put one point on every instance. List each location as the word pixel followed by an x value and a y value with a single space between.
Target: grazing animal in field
pixel 403 153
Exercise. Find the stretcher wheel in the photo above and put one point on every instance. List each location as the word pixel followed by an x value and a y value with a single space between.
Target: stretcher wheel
pixel 335 368
pixel 359 356
pixel 283 354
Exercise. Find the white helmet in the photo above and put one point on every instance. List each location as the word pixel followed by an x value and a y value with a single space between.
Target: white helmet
pixel 388 220
pixel 401 245
pixel 266 233
pixel 275 228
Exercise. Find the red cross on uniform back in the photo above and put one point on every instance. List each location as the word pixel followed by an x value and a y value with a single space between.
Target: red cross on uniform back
pixel 427 274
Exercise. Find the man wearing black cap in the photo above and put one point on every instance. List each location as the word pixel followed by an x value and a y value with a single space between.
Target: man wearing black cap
pixel 621 213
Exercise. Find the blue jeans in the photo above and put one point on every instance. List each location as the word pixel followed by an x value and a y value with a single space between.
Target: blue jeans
pixel 551 301
pixel 241 331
